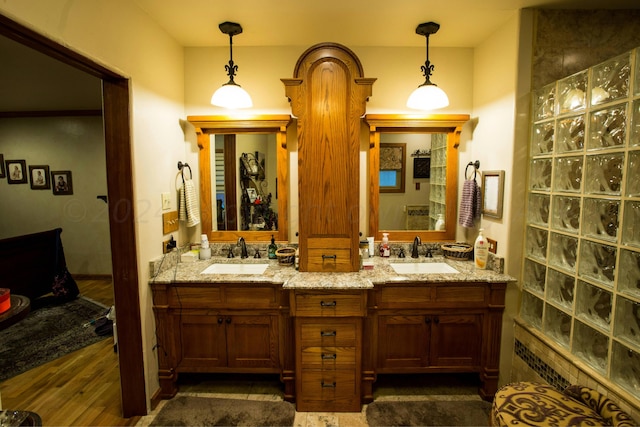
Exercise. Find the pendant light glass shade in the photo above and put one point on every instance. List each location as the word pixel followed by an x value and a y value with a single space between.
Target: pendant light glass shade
pixel 427 96
pixel 231 95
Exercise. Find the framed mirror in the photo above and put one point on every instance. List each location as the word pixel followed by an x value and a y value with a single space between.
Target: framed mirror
pixel 243 166
pixel 430 176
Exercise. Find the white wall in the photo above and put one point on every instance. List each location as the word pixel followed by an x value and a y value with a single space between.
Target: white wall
pixel 74 144
pixel 122 37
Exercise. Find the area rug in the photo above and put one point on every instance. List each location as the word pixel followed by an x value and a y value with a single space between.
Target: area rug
pixel 203 411
pixel 51 330
pixel 429 413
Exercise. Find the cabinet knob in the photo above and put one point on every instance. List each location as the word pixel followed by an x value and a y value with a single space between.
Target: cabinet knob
pixel 436 320
pixel 427 320
pixel 220 320
pixel 228 320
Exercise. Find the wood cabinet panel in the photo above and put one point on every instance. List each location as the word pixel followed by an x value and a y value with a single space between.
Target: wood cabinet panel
pixel 404 296
pixel 329 260
pixel 195 296
pixel 203 341
pixel 328 357
pixel 328 391
pixel 252 341
pixel 461 294
pixel 456 340
pixel 329 304
pixel 403 342
pixel 251 296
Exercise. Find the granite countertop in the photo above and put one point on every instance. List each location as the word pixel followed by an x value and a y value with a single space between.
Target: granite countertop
pixel 290 278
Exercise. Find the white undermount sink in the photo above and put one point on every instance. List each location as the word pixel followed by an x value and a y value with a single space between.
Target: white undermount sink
pixel 235 269
pixel 422 268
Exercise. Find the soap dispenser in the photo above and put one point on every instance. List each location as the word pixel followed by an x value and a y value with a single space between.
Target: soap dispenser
pixel 272 248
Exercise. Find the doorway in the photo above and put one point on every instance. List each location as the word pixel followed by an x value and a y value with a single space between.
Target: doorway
pixel 115 110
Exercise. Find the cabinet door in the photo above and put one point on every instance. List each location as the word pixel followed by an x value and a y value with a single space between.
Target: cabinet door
pixel 456 340
pixel 403 341
pixel 203 341
pixel 252 341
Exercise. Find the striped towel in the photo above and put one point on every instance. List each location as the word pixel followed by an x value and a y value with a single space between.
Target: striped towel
pixel 188 210
pixel 470 203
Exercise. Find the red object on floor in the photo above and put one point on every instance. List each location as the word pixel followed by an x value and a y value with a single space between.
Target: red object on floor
pixel 5 300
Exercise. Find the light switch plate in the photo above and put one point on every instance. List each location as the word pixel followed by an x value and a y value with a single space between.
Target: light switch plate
pixel 166 201
pixel 493 245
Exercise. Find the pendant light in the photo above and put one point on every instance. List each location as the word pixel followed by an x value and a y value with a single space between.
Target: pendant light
pixel 427 96
pixel 231 95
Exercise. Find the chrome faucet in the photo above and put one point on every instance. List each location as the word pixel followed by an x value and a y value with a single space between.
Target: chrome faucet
pixel 243 248
pixel 414 249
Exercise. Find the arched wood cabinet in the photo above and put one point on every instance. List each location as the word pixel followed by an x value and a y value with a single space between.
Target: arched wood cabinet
pixel 328 94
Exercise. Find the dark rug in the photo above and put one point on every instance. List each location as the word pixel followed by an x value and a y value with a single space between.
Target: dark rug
pixel 203 411
pixel 429 413
pixel 51 330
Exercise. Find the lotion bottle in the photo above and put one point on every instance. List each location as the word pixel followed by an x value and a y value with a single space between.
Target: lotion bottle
pixel 440 223
pixel 481 252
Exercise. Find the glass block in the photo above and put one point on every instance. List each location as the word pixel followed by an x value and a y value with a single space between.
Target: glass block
pixel 610 80
pixel 543 102
pixel 591 346
pixel 566 213
pixel 605 173
pixel 570 134
pixel 631 223
pixel 637 72
pixel 564 251
pixel 542 138
pixel 536 245
pixel 568 174
pixel 593 305
pixel 531 310
pixel 597 262
pixel 633 172
pixel 600 218
pixel 538 212
pixel 625 368
pixel 607 128
pixel 572 93
pixel 634 129
pixel 627 324
pixel 629 273
pixel 540 178
pixel 534 277
pixel 560 289
pixel 557 325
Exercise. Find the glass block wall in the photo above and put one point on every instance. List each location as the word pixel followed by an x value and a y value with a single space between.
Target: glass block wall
pixel 438 181
pixel 581 275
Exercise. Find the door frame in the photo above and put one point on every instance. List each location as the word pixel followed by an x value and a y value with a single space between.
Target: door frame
pixel 117 133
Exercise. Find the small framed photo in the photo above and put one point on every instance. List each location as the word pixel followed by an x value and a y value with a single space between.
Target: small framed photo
pixel 492 193
pixel 61 183
pixel 39 177
pixel 3 174
pixel 16 171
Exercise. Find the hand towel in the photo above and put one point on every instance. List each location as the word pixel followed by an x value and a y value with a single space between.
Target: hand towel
pixel 188 209
pixel 470 203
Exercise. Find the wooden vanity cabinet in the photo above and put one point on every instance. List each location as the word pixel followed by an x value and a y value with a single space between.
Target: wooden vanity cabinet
pixel 328 94
pixel 234 328
pixel 434 327
pixel 328 349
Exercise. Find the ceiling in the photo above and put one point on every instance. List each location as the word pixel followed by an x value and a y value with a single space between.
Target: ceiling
pixel 44 84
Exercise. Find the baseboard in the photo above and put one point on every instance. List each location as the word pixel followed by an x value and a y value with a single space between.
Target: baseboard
pixel 92 276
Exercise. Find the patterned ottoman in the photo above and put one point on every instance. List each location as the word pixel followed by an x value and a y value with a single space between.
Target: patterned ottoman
pixel 533 404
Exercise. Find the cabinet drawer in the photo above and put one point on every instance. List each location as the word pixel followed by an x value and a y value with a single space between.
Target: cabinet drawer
pixel 329 304
pixel 328 385
pixel 201 297
pixel 251 296
pixel 404 296
pixel 469 294
pixel 329 358
pixel 317 333
pixel 329 260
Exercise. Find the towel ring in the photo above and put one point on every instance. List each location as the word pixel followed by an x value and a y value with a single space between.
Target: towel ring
pixel 181 167
pixel 476 166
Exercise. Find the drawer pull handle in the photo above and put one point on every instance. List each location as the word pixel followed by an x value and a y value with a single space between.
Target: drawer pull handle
pixel 328 385
pixel 332 356
pixel 329 257
pixel 328 333
pixel 328 304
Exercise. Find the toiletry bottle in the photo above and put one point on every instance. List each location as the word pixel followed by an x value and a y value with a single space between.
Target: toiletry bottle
pixel 440 223
pixel 297 259
pixel 272 248
pixel 385 249
pixel 481 251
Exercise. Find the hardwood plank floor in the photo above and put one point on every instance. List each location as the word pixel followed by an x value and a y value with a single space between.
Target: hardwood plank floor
pixel 79 389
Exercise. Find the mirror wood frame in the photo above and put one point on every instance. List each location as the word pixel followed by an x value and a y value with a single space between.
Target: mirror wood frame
pixel 226 125
pixel 451 124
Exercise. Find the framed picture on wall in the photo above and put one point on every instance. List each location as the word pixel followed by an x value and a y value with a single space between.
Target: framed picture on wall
pixel 422 167
pixel 2 172
pixel 39 177
pixel 16 171
pixel 62 184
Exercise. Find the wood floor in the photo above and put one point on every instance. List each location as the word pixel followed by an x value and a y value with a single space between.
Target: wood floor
pixel 79 389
